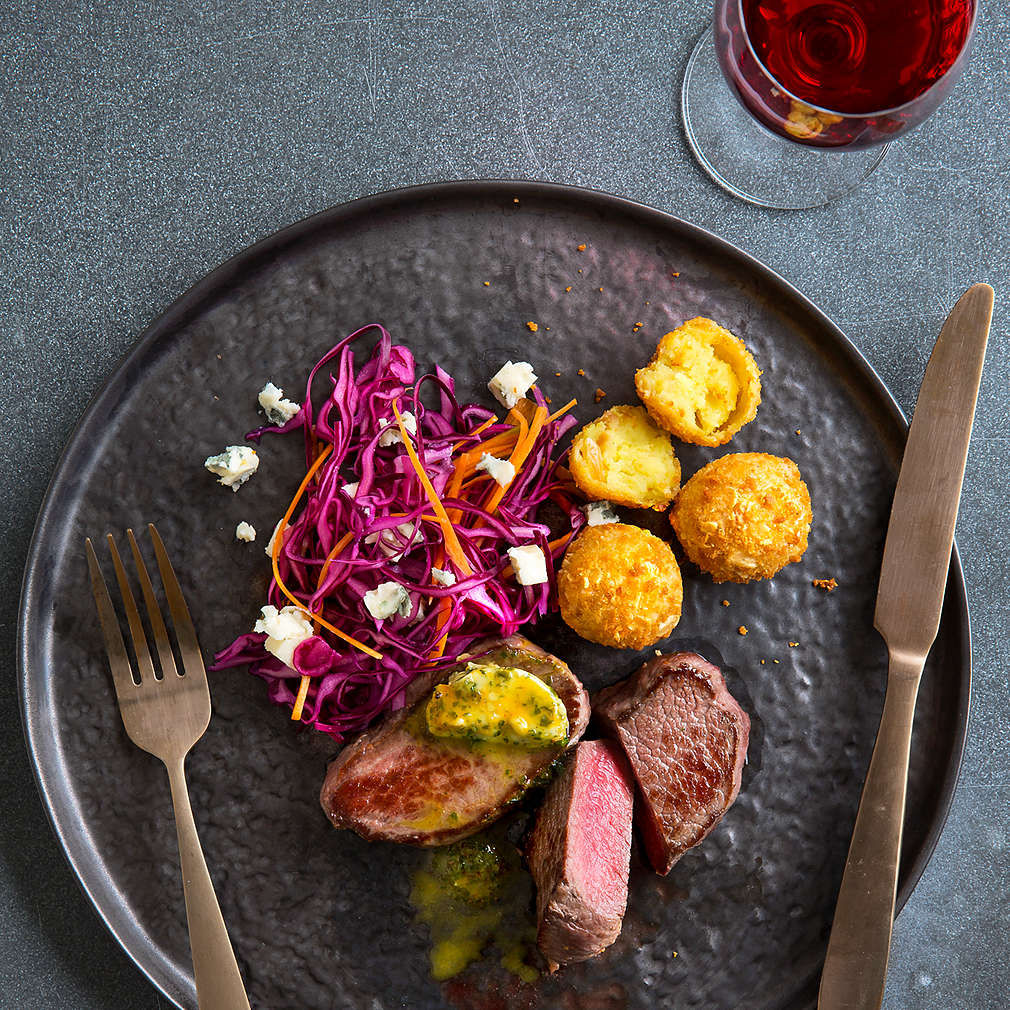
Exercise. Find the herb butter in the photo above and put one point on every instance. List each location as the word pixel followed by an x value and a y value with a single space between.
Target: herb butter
pixel 499 704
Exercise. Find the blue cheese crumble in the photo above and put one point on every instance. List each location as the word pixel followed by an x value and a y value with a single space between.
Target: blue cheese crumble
pixel 234 466
pixel 245 531
pixel 511 382
pixel 442 577
pixel 529 565
pixel 278 410
pixel 391 436
pixel 501 470
pixel 387 599
pixel 285 629
pixel 600 513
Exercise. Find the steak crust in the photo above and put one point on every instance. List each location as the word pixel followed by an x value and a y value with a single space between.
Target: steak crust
pixel 685 738
pixel 398 783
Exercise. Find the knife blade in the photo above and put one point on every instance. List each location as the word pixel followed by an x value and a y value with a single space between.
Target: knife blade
pixel 913 577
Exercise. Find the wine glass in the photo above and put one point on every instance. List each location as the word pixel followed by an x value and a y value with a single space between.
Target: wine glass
pixel 821 88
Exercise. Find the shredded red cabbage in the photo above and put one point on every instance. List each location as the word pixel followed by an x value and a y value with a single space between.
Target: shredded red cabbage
pixel 395 537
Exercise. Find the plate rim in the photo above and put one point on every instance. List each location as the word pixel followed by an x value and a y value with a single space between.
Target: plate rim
pixel 135 943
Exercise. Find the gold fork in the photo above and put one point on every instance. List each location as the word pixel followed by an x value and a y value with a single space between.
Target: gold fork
pixel 165 716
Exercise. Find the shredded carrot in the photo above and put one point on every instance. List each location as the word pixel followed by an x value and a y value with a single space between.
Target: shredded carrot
pixel 564 410
pixel 523 448
pixel 303 690
pixel 452 544
pixel 275 553
pixel 303 686
pixel 444 606
pixel 476 431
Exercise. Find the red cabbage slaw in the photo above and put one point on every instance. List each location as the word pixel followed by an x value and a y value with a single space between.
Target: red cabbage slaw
pixel 393 536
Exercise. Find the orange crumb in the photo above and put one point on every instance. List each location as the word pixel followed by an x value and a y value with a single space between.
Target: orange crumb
pixel 762 662
pixel 581 248
pixel 487 284
pixel 601 289
pixel 569 288
pixel 826 584
pixel 792 645
pixel 580 269
pixel 599 395
pixel 674 273
pixel 557 374
pixel 532 327
pixel 742 630
pixel 775 661
pixel 582 371
pixel 725 603
pixel 797 431
pixel 515 199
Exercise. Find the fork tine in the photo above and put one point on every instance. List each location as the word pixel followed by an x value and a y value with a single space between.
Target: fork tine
pixel 119 660
pixel 161 639
pixel 132 615
pixel 189 646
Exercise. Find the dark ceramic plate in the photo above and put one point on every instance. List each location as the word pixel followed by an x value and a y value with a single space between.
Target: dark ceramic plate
pixel 319 918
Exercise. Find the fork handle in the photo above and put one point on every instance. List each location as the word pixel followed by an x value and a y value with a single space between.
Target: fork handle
pixel 218 982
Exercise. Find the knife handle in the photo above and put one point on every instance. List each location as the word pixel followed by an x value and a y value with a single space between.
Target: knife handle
pixel 855 967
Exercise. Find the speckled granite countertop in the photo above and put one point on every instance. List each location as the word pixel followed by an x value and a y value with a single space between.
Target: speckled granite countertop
pixel 143 144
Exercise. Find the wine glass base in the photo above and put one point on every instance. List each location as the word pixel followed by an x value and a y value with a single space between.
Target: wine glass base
pixel 751 162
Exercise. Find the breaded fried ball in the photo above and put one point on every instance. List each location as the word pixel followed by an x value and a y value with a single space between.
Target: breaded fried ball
pixel 702 384
pixel 625 458
pixel 743 516
pixel 620 585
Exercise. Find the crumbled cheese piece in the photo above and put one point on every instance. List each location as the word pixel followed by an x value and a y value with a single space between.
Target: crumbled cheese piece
pixel 391 436
pixel 742 630
pixel 245 531
pixel 285 630
pixel 234 466
pixel 278 532
pixel 442 577
pixel 392 545
pixel 512 381
pixel 278 410
pixel 351 489
pixel 599 513
pixel 500 470
pixel 386 599
pixel 529 564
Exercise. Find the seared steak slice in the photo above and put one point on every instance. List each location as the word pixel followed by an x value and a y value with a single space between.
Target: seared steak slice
pixel 578 853
pixel 399 783
pixel 686 739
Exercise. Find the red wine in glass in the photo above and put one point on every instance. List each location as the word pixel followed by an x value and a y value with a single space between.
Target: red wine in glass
pixel 842 73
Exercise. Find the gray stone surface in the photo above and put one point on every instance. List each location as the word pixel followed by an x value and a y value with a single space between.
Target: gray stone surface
pixel 141 144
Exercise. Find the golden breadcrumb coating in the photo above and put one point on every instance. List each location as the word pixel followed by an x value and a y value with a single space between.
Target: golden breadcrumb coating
pixel 743 516
pixel 620 586
pixel 625 458
pixel 702 384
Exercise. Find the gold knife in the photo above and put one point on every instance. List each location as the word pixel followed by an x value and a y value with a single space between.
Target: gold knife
pixel 913 576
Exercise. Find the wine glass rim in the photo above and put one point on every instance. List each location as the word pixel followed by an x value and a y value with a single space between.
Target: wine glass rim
pixel 975 5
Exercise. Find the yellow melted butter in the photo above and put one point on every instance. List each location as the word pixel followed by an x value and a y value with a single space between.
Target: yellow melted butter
pixel 462 930
pixel 497 704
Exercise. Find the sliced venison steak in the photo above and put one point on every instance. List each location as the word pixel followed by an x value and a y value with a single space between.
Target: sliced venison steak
pixel 399 783
pixel 685 737
pixel 579 851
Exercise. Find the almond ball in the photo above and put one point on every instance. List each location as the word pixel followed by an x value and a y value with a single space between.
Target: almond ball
pixel 620 586
pixel 702 384
pixel 626 458
pixel 744 516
